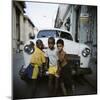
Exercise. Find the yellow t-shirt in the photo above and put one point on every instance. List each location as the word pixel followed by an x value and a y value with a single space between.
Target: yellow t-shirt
pixel 38 57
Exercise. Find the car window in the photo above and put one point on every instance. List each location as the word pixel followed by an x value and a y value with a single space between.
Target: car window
pixel 47 33
pixel 66 35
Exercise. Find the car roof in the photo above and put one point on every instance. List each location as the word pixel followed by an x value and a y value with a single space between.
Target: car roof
pixel 57 29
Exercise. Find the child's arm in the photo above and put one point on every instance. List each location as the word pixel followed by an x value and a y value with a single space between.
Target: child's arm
pixel 43 66
pixel 47 63
pixel 42 69
pixel 59 67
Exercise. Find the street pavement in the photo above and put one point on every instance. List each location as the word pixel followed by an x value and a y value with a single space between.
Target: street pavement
pixel 24 90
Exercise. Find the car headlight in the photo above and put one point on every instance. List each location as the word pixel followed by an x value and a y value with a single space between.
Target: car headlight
pixel 29 49
pixel 86 52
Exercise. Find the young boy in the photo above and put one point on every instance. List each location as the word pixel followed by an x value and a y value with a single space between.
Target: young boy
pixel 51 55
pixel 64 69
pixel 38 59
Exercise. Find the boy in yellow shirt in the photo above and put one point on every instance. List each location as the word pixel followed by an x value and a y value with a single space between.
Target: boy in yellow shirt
pixel 37 59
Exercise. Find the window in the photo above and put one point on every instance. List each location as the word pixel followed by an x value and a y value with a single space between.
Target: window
pixel 47 33
pixel 67 24
pixel 66 35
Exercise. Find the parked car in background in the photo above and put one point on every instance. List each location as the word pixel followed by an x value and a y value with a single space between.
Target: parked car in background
pixel 79 54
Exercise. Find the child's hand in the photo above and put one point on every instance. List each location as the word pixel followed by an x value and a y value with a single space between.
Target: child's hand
pixel 58 72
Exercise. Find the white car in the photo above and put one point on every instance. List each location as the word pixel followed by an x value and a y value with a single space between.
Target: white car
pixel 76 50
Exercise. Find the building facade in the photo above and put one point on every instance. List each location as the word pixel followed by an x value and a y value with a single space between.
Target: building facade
pixel 81 21
pixel 22 26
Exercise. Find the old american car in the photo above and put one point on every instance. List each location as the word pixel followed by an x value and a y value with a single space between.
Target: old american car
pixel 78 53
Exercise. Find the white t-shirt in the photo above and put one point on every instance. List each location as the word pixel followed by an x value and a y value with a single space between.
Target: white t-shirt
pixel 52 55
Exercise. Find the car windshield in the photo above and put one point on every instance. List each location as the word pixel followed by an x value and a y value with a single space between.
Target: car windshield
pixel 47 33
pixel 66 35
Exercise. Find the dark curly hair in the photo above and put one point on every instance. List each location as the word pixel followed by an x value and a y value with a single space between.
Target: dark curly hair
pixel 52 38
pixel 60 41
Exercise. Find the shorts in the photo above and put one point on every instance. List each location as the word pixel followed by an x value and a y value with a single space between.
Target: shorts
pixel 53 70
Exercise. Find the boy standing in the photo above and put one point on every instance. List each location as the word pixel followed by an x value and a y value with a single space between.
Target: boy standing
pixel 37 62
pixel 52 58
pixel 38 59
pixel 64 69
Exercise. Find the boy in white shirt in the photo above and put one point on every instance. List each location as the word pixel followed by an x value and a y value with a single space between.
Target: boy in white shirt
pixel 52 58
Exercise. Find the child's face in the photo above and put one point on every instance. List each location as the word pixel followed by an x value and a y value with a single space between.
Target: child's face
pixel 51 44
pixel 40 45
pixel 60 47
